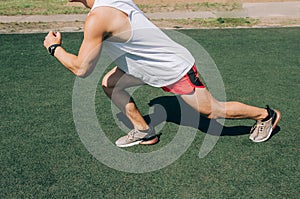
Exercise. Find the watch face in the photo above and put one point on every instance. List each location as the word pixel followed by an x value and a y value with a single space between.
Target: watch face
pixel 52 48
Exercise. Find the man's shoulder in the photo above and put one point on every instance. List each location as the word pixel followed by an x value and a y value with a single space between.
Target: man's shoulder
pixel 103 10
pixel 96 23
pixel 99 15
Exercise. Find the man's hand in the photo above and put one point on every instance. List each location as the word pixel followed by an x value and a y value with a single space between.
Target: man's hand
pixel 52 38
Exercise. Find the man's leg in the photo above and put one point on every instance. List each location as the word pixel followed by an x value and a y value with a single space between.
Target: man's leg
pixel 114 84
pixel 266 119
pixel 202 101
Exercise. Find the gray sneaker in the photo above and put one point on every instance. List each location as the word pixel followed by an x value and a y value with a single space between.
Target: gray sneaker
pixel 262 130
pixel 135 137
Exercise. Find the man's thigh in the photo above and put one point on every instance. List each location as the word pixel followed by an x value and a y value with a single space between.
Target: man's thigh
pixel 201 100
pixel 118 78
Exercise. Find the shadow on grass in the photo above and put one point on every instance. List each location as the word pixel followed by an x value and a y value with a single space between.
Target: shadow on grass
pixel 173 109
pixel 178 112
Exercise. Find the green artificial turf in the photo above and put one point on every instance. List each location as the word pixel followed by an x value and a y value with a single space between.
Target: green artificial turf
pixel 42 155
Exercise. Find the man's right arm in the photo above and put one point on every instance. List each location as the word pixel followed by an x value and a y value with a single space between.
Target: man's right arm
pixel 84 63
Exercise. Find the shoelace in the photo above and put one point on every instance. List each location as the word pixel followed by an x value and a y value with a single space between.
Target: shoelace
pixel 253 127
pixel 261 127
pixel 132 133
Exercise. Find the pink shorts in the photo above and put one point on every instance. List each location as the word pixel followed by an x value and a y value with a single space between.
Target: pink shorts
pixel 187 84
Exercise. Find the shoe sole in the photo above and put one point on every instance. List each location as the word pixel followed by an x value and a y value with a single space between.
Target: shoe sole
pixel 278 117
pixel 148 142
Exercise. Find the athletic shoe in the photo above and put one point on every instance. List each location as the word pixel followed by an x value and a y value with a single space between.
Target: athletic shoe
pixel 135 137
pixel 262 130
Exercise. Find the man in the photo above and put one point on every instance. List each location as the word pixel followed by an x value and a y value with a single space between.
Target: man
pixel 144 54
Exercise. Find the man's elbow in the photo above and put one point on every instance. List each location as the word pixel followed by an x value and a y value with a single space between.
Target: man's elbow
pixel 82 73
pixel 83 70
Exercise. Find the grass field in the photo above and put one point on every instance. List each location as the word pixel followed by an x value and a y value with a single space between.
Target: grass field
pixel 42 155
pixel 31 7
pixel 25 7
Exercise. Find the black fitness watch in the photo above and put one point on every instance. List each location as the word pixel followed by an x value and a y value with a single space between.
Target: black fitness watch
pixel 52 49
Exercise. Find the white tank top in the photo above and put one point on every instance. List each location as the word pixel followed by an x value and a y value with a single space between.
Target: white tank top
pixel 149 54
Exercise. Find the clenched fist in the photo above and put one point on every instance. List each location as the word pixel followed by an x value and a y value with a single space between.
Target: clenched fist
pixel 52 38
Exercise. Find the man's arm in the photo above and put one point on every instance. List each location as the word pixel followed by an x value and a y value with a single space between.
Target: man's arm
pixel 84 63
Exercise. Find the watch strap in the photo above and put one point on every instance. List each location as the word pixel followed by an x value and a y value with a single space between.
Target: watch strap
pixel 52 49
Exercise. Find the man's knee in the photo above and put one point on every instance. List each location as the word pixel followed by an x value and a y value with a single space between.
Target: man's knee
pixel 105 79
pixel 107 86
pixel 212 109
pixel 207 111
pixel 110 79
pixel 108 82
pixel 212 116
pixel 216 110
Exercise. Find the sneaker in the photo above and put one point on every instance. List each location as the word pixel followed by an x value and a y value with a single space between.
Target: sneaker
pixel 135 137
pixel 262 130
